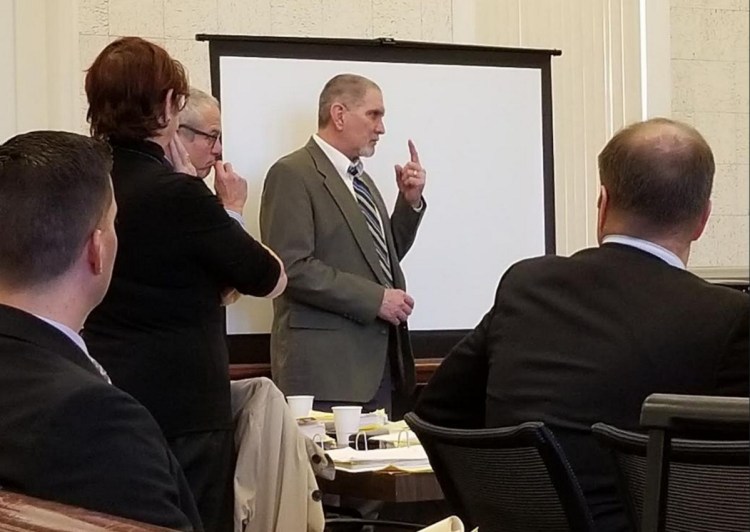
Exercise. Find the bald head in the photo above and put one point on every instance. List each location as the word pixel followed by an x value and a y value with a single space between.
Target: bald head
pixel 658 175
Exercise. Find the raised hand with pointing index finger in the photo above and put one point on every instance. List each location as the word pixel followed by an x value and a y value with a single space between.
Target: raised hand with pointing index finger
pixel 411 178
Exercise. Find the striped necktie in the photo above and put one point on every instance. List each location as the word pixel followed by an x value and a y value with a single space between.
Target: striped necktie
pixel 369 211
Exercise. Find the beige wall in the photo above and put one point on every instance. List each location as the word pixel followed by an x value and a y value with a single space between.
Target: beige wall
pixel 599 83
pixel 174 23
pixel 596 88
pixel 38 65
pixel 709 56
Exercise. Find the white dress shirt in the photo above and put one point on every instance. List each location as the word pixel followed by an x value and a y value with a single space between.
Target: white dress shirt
pixel 342 163
pixel 649 247
pixel 76 338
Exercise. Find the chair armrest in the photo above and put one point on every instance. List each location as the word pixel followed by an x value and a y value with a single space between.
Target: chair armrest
pixel 669 411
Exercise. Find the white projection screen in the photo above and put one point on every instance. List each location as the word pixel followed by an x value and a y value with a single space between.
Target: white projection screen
pixel 480 118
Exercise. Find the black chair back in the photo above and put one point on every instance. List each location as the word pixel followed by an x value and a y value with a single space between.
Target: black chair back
pixel 697 485
pixel 513 479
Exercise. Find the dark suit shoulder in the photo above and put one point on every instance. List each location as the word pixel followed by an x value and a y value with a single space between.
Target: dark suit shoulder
pixel 102 450
pixel 620 269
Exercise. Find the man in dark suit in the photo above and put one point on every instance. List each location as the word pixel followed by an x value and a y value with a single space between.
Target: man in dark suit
pixel 571 341
pixel 339 331
pixel 66 433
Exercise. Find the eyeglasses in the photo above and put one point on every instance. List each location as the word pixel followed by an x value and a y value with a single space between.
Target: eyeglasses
pixel 212 137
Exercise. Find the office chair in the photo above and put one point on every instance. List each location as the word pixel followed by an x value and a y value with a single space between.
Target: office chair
pixel 677 485
pixel 513 479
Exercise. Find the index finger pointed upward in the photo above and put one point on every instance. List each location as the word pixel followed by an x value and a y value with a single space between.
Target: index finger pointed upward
pixel 413 152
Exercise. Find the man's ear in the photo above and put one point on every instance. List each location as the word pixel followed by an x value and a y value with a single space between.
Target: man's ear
pixel 602 205
pixel 94 252
pixel 702 221
pixel 337 115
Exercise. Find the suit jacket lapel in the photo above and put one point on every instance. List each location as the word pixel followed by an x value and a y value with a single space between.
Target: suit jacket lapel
pixel 349 208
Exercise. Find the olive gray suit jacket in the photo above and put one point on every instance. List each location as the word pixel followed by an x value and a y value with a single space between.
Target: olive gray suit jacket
pixel 326 338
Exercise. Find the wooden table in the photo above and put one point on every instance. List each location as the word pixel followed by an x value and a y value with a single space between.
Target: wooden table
pixel 388 486
pixel 21 512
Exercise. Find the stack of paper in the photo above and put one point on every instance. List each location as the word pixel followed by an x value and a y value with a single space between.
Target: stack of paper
pixel 401 438
pixel 404 458
pixel 449 524
pixel 368 421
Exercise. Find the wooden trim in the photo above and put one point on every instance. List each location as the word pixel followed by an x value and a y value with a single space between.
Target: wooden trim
pixel 425 368
pixel 255 348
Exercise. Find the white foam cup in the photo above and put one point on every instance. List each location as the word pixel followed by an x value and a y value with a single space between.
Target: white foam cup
pixel 346 422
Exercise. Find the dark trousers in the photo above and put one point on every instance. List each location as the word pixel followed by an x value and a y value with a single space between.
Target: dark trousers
pixel 207 459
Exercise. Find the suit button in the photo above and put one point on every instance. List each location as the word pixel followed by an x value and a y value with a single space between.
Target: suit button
pixel 316 458
pixel 384 331
pixel 316 495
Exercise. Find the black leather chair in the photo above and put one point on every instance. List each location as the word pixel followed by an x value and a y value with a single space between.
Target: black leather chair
pixel 678 484
pixel 513 479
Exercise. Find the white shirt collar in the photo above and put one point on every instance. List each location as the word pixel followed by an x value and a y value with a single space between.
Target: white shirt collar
pixel 649 247
pixel 76 338
pixel 339 161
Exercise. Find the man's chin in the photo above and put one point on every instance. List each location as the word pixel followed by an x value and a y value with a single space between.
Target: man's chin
pixel 368 151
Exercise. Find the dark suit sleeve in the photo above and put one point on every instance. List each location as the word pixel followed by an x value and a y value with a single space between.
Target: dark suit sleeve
pixel 210 236
pixel 105 452
pixel 287 225
pixel 733 377
pixel 404 224
pixel 455 395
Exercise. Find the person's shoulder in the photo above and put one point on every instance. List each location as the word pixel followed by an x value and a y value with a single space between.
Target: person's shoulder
pixel 184 184
pixel 716 293
pixel 294 171
pixel 539 263
pixel 298 159
pixel 94 404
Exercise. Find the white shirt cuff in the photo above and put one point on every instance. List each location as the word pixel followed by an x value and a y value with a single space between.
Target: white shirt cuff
pixel 236 217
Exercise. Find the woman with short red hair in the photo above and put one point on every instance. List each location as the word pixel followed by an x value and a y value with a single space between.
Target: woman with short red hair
pixel 159 332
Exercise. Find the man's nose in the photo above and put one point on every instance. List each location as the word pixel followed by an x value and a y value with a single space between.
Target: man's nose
pixel 216 150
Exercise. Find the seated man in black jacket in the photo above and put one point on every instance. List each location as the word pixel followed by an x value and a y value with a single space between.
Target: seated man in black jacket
pixel 571 341
pixel 66 433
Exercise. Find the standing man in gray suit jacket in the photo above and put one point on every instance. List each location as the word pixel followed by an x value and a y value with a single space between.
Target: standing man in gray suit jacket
pixel 339 331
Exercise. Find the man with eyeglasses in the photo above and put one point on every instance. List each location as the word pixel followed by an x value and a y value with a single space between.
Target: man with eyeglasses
pixel 200 134
pixel 200 131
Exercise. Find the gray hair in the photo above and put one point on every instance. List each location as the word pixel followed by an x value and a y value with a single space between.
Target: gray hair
pixel 345 88
pixel 197 101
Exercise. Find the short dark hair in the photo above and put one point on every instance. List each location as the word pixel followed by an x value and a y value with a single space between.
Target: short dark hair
pixel 350 88
pixel 660 171
pixel 126 87
pixel 54 188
